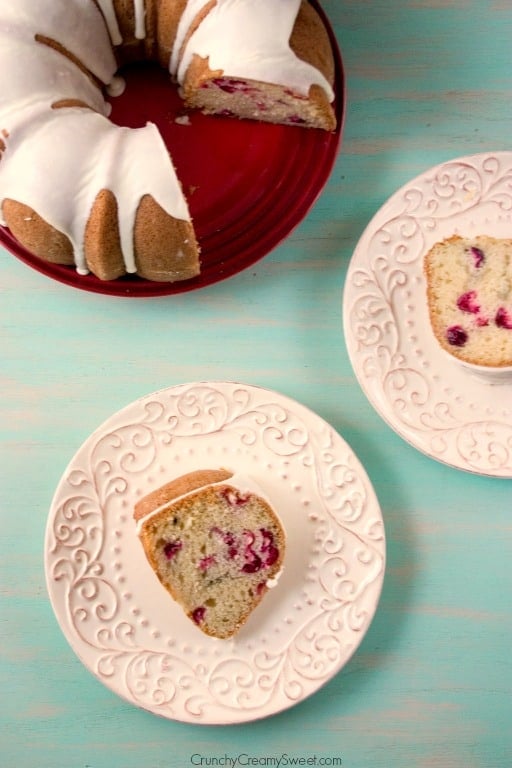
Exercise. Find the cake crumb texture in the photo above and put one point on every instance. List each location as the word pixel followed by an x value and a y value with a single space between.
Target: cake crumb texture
pixel 469 294
pixel 216 550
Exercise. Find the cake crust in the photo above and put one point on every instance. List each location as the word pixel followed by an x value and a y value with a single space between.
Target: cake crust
pixel 178 487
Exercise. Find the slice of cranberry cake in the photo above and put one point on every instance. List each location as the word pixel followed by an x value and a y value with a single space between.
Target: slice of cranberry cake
pixel 284 63
pixel 215 545
pixel 469 294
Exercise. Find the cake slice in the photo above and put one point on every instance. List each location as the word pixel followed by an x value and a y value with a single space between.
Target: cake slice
pixel 469 295
pixel 273 66
pixel 215 544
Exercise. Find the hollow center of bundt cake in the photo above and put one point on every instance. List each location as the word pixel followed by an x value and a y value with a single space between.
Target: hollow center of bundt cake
pixel 213 158
pixel 148 96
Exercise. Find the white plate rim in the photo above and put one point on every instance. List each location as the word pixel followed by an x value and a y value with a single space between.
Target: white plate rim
pixel 457 418
pixel 280 658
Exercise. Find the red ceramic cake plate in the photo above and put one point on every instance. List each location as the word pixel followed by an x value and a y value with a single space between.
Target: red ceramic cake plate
pixel 248 184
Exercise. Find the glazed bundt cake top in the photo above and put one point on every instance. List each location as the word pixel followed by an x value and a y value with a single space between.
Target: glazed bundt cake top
pixel 61 147
pixel 59 151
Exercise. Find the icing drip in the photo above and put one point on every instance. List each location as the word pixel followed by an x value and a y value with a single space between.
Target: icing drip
pixel 129 162
pixel 117 86
pixel 107 9
pixel 140 19
pixel 250 40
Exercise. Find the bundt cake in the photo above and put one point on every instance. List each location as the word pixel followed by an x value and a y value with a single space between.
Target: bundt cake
pixel 215 545
pixel 469 294
pixel 77 189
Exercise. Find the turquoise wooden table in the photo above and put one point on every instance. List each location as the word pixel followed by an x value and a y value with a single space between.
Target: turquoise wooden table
pixel 431 683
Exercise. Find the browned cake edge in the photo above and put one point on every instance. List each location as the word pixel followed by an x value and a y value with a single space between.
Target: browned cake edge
pixel 178 487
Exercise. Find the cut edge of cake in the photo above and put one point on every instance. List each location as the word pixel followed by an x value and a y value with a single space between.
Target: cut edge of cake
pixel 469 300
pixel 215 543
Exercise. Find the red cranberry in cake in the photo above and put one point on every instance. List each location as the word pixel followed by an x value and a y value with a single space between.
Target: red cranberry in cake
pixel 456 336
pixel 230 85
pixel 467 303
pixel 234 497
pixel 215 545
pixel 478 256
pixel 171 548
pixel 198 614
pixel 232 546
pixel 256 550
pixel 503 318
pixel 269 550
pixel 207 562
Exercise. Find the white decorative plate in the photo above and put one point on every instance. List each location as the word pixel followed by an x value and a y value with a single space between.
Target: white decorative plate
pixel 450 414
pixel 128 631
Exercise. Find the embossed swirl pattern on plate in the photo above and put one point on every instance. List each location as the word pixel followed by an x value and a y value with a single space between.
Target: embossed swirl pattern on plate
pixel 133 637
pixel 444 411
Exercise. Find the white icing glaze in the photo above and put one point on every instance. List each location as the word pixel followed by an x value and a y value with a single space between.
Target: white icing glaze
pixel 191 10
pixel 239 481
pixel 75 24
pixel 117 86
pixel 56 161
pixel 271 583
pixel 107 9
pixel 250 40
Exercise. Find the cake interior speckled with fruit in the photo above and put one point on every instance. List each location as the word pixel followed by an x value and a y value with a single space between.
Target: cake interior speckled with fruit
pixel 469 294
pixel 215 544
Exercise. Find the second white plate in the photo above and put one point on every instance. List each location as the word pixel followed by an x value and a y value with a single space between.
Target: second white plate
pixel 125 627
pixel 428 399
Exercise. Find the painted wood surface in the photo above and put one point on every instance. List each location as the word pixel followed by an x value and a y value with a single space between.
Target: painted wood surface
pixel 431 685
